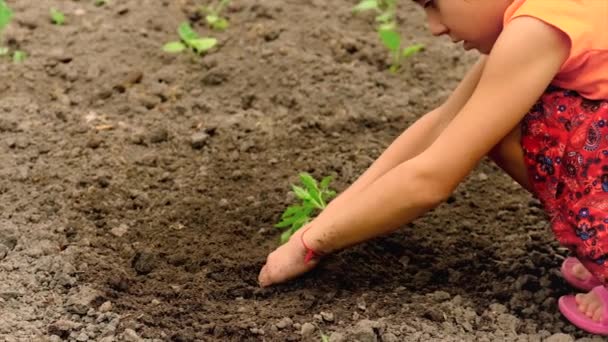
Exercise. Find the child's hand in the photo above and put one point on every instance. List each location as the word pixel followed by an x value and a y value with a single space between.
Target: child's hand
pixel 286 262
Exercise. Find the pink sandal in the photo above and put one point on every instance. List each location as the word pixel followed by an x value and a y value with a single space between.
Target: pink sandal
pixel 585 285
pixel 569 308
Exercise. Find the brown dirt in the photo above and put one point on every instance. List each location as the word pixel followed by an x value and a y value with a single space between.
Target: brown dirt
pixel 97 128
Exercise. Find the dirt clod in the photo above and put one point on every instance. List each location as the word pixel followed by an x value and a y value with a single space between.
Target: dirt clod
pixel 307 330
pixel 62 328
pixel 144 262
pixel 199 140
pixel 285 322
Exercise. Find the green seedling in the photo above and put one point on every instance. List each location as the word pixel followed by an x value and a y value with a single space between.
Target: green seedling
pixel 324 338
pixel 366 5
pixel 213 17
pixel 5 17
pixel 189 39
pixel 314 197
pixel 386 10
pixel 387 30
pixel 19 56
pixel 57 17
pixel 6 14
pixel 99 3
pixel 392 41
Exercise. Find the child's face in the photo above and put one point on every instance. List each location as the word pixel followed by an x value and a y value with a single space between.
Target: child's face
pixel 477 23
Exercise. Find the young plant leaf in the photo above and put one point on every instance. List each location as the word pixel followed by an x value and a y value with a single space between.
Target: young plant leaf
pixel 57 17
pixel 304 211
pixel 301 193
pixel 186 33
pixel 412 49
pixel 212 19
pixel 325 182
pixel 329 194
pixel 385 18
pixel 19 56
pixel 313 189
pixel 285 223
pixel 309 182
pixel 5 15
pixel 301 220
pixel 3 51
pixel 296 214
pixel 216 22
pixel 291 210
pixel 289 221
pixel 201 45
pixel 174 47
pixel 390 39
pixel 189 39
pixel 366 5
pixel 286 235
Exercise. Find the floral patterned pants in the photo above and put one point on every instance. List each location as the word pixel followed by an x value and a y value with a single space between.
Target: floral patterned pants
pixel 565 145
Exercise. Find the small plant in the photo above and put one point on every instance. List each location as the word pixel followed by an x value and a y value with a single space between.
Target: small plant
pixel 386 12
pixel 387 30
pixel 392 41
pixel 314 196
pixel 99 3
pixel 189 39
pixel 57 17
pixel 5 17
pixel 19 56
pixel 212 15
pixel 366 5
pixel 6 14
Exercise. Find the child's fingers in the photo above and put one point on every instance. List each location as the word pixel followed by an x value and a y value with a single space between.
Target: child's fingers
pixel 264 278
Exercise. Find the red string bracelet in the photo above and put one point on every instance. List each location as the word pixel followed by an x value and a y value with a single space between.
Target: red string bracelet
pixel 310 253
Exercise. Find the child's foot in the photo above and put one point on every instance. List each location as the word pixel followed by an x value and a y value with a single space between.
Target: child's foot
pixel 579 271
pixel 587 311
pixel 577 275
pixel 590 304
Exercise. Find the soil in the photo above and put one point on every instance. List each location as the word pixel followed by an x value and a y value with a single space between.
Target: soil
pixel 139 189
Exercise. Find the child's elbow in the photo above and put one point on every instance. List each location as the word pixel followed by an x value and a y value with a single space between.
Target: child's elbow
pixel 443 192
pixel 435 187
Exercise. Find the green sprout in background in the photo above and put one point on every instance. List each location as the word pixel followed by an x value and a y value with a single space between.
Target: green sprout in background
pixel 6 14
pixel 5 17
pixel 387 30
pixel 212 15
pixel 189 39
pixel 19 56
pixel 99 3
pixel 314 197
pixel 392 41
pixel 57 17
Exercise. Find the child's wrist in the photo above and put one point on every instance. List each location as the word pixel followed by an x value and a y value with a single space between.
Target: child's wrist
pixel 313 249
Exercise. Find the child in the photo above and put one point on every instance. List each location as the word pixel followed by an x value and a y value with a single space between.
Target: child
pixel 536 103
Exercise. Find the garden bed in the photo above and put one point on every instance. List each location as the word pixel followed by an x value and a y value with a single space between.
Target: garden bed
pixel 139 189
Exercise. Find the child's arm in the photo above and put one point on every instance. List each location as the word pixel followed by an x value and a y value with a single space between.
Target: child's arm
pixel 415 139
pixel 516 74
pixel 522 64
pixel 408 145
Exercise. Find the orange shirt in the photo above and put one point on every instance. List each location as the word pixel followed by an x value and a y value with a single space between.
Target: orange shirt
pixel 585 22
